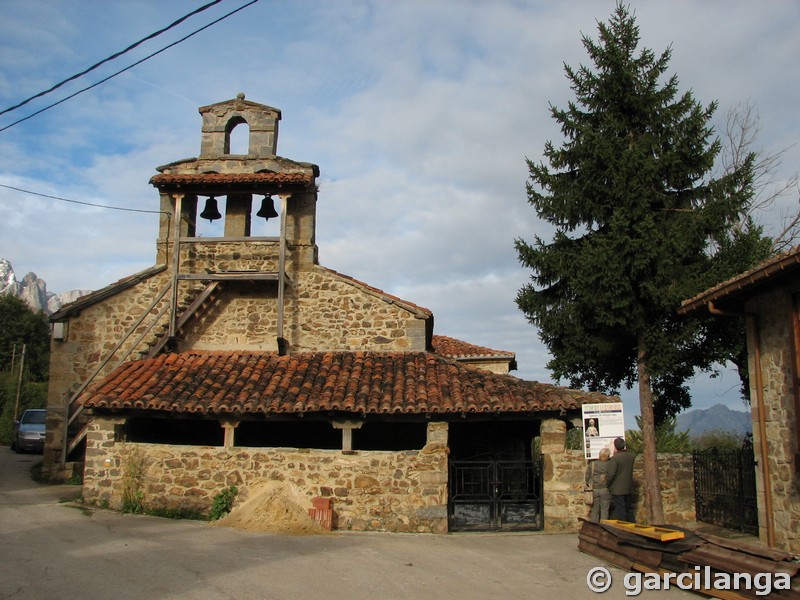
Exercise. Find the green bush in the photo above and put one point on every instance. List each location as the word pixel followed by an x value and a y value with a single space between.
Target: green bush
pixel 574 439
pixel 667 439
pixel 719 439
pixel 223 503
pixel 133 502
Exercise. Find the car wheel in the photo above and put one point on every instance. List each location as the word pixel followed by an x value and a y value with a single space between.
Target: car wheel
pixel 18 448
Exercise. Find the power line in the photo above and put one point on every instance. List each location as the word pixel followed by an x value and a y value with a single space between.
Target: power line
pixel 16 189
pixel 110 58
pixel 183 39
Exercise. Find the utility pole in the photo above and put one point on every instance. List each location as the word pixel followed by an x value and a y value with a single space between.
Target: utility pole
pixel 19 381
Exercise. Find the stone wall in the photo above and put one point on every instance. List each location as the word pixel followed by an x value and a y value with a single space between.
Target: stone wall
pixel 563 478
pixel 774 342
pixel 371 490
pixel 564 472
pixel 332 312
pixel 676 476
pixel 92 335
pixel 324 312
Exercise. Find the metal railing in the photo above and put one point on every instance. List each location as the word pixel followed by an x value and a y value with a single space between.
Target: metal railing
pixel 496 495
pixel 725 488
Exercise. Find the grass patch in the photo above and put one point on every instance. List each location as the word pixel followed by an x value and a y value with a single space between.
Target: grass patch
pixel 176 513
pixel 75 479
pixel 132 475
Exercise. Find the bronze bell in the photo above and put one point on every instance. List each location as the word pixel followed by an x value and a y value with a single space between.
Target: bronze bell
pixel 267 209
pixel 211 212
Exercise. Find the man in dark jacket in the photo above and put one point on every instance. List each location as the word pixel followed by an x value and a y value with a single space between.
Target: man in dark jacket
pixel 619 477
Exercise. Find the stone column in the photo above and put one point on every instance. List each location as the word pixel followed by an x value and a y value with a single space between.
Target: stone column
pixel 563 476
pixel 434 478
pixel 347 432
pixel 229 427
pixel 437 433
pixel 237 215
pixel 102 467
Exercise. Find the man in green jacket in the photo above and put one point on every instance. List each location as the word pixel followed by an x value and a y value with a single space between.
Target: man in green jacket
pixel 619 478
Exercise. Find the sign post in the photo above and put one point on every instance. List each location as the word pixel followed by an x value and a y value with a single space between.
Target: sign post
pixel 602 424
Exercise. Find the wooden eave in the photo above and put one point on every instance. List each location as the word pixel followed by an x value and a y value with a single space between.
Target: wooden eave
pixel 742 286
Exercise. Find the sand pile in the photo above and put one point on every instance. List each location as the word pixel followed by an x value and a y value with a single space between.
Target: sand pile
pixel 274 508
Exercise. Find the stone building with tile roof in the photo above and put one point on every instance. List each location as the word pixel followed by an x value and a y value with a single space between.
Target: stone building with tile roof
pixel 238 359
pixel 767 298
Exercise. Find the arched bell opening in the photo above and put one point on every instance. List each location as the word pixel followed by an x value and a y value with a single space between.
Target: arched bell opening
pixel 237 136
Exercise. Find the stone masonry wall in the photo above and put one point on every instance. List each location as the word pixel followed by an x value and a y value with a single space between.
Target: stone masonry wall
pixel 676 476
pixel 371 491
pixel 330 312
pixel 324 312
pixel 92 335
pixel 564 472
pixel 774 310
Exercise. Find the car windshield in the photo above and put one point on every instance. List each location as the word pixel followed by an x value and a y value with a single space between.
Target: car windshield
pixel 33 416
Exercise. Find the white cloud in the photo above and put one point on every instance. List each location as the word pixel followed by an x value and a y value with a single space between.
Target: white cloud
pixel 419 114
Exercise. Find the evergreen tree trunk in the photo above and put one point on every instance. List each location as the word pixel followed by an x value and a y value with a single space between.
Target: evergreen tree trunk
pixel 652 485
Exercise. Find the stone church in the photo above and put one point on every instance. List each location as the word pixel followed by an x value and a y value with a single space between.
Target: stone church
pixel 238 359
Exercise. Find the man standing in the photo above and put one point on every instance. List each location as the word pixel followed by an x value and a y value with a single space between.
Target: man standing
pixel 619 479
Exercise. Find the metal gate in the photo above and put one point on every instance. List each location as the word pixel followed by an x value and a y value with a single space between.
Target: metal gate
pixel 725 488
pixel 498 495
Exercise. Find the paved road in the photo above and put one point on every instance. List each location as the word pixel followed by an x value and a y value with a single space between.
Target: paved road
pixel 53 550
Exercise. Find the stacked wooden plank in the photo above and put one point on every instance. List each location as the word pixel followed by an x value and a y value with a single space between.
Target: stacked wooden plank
pixel 708 560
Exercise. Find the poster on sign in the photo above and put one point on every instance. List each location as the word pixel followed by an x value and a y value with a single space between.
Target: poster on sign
pixel 602 423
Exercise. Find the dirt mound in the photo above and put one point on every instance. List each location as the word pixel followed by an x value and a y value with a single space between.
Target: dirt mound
pixel 273 508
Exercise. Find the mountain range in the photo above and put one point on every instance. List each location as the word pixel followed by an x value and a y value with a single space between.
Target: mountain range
pixel 33 290
pixel 717 418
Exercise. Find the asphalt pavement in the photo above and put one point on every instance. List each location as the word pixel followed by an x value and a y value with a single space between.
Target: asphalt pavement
pixel 51 548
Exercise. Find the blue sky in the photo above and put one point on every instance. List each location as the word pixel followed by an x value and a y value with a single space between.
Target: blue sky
pixel 420 115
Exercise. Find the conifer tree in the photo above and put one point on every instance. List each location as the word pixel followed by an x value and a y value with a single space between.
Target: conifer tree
pixel 19 325
pixel 640 225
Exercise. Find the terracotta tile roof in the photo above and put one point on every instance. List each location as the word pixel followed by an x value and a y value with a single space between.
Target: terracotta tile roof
pixel 228 179
pixel 766 272
pixel 207 382
pixel 453 348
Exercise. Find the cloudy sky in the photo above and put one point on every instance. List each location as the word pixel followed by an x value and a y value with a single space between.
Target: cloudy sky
pixel 420 115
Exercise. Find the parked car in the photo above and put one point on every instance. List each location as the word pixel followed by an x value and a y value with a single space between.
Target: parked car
pixel 29 431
